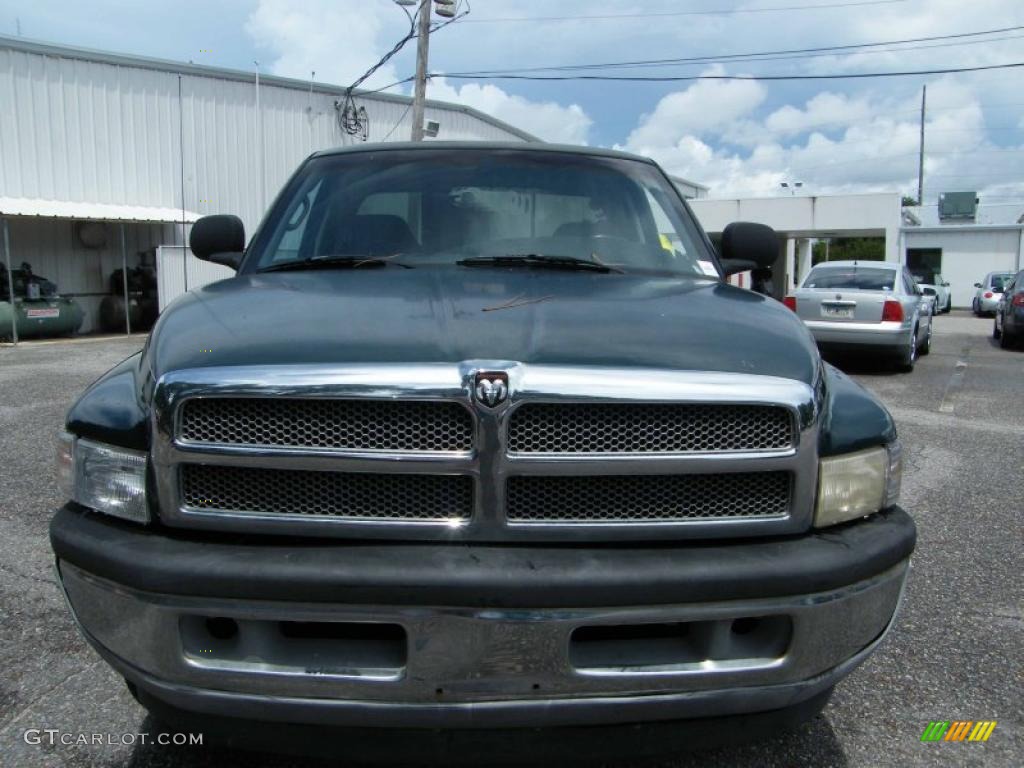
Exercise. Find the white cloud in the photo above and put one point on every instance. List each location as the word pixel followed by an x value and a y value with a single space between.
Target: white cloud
pixel 739 137
pixel 876 151
pixel 706 106
pixel 339 41
pixel 548 120
pixel 823 110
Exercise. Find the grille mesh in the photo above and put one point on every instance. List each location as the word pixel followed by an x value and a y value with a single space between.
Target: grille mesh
pixel 327 494
pixel 342 424
pixel 646 428
pixel 648 497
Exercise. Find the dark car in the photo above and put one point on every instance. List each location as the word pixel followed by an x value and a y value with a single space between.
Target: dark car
pixel 1008 326
pixel 480 439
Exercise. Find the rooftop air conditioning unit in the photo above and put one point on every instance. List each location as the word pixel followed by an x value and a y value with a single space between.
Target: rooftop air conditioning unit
pixel 958 206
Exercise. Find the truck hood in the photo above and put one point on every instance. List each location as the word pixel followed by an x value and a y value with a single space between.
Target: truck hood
pixel 448 314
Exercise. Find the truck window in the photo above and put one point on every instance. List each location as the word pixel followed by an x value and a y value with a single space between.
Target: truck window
pixel 434 208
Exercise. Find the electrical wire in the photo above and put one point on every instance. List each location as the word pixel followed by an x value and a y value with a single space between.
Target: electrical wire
pixel 691 78
pixel 732 12
pixel 354 119
pixel 764 55
pixel 398 122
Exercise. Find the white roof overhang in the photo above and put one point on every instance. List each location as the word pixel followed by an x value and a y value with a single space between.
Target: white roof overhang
pixel 64 209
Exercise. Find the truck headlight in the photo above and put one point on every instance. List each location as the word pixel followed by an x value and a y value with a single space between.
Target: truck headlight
pixel 106 478
pixel 857 484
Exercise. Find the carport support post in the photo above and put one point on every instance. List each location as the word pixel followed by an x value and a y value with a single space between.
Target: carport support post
pixel 124 277
pixel 10 283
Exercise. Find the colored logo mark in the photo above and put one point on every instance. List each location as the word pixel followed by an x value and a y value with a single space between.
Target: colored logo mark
pixel 958 730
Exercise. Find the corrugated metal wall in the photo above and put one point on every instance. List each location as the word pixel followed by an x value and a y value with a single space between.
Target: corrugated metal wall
pixel 106 129
pixel 171 277
pixel 80 130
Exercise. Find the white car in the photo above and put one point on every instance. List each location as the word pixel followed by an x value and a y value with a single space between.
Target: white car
pixel 943 296
pixel 990 291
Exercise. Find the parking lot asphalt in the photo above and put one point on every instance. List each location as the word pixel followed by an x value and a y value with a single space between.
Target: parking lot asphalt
pixel 956 653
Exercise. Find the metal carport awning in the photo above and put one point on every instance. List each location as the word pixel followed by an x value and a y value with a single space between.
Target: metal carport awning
pixel 28 207
pixel 67 209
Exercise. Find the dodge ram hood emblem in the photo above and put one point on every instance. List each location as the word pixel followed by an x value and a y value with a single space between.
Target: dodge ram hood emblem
pixel 491 388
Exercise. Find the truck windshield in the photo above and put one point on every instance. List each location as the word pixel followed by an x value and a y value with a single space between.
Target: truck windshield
pixel 851 278
pixel 444 206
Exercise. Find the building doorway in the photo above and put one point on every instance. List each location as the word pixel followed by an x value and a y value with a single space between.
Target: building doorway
pixel 925 264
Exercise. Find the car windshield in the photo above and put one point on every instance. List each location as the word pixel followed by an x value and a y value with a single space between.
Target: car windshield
pixel 851 278
pixel 999 282
pixel 926 278
pixel 443 206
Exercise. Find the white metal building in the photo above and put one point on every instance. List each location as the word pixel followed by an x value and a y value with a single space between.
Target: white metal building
pixel 149 145
pixel 963 252
pixel 801 220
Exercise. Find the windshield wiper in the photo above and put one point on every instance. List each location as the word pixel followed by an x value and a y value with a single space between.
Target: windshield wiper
pixel 335 262
pixel 538 260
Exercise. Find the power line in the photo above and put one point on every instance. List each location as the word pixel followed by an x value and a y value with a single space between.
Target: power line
pixel 764 57
pixel 691 78
pixel 784 53
pixel 354 120
pixel 398 122
pixel 732 12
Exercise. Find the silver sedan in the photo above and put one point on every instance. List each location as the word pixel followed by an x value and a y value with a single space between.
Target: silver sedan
pixel 990 291
pixel 865 306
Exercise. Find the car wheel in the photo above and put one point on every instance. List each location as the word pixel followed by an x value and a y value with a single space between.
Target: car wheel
pixel 975 309
pixel 926 345
pixel 996 330
pixel 909 356
pixel 1005 340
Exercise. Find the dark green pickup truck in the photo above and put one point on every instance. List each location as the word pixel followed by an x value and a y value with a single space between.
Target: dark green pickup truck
pixel 480 439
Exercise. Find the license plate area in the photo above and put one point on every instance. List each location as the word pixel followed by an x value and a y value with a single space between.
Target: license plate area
pixel 837 311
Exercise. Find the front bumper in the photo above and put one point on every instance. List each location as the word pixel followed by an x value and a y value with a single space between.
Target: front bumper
pixel 888 335
pixel 486 636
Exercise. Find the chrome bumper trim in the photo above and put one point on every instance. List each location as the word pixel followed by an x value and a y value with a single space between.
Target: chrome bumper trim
pixel 469 667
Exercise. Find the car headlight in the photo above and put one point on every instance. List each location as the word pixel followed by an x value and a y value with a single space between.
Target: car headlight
pixel 857 484
pixel 106 478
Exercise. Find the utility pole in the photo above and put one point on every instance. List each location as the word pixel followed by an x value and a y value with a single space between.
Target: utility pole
pixel 920 156
pixel 420 93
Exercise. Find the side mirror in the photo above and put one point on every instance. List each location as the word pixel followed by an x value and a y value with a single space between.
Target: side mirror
pixel 977 285
pixel 746 245
pixel 219 239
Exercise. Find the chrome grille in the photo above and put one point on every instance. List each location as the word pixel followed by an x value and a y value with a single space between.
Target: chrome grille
pixel 627 498
pixel 648 428
pixel 370 425
pixel 403 451
pixel 347 495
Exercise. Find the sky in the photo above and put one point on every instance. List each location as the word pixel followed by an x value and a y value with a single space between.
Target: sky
pixel 739 138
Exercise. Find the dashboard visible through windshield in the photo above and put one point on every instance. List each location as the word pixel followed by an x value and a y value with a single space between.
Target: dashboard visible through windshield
pixel 443 206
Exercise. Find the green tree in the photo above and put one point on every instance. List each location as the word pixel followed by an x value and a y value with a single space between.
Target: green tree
pixel 848 248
